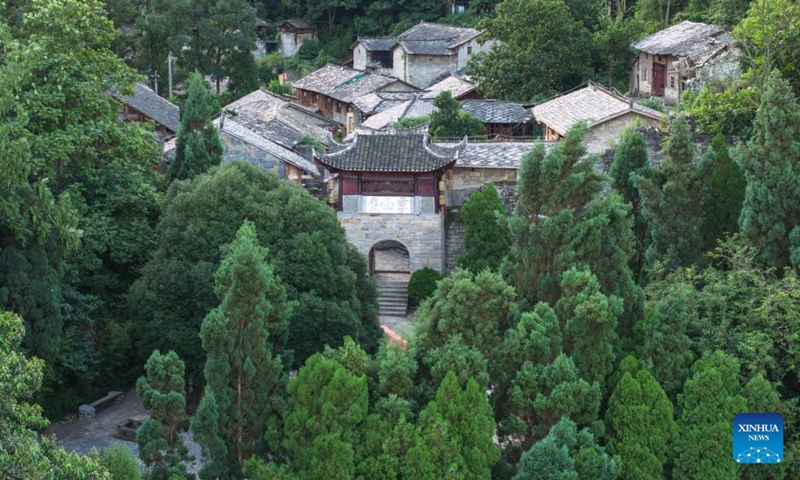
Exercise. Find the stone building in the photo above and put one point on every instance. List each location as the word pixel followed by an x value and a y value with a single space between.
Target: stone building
pixel 389 190
pixel 422 54
pixel 145 105
pixel 293 34
pixel 666 60
pixel 333 89
pixel 459 86
pixel 605 112
pixel 500 118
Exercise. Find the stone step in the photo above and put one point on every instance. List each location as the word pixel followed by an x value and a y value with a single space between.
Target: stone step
pixel 398 312
pixel 397 294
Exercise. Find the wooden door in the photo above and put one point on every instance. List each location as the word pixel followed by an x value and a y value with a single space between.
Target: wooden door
pixel 659 75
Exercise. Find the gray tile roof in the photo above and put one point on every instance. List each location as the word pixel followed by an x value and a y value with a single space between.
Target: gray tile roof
pixel 502 155
pixel 342 83
pixel 593 104
pixel 496 111
pixel 295 24
pixel 699 42
pixel 229 126
pixel 426 31
pixel 377 102
pixel 392 152
pixel 426 47
pixel 456 85
pixel 378 44
pixel 160 110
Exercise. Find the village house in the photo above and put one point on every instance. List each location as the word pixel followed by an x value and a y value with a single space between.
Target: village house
pixel 333 89
pixel 605 112
pixel 501 119
pixel 666 60
pixel 293 34
pixel 458 85
pixel 145 105
pixel 422 54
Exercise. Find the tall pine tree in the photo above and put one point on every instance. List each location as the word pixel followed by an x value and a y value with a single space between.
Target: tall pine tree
pixel 673 201
pixel 198 146
pixel 563 219
pixel 770 215
pixel 162 392
pixel 243 338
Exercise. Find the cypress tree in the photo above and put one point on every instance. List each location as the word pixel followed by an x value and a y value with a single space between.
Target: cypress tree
pixel 450 121
pixel 243 338
pixel 673 201
pixel 630 158
pixel 641 426
pixel 725 196
pixel 710 399
pixel 197 147
pixel 486 243
pixel 589 321
pixel 563 219
pixel 770 215
pixel 666 351
pixel 158 438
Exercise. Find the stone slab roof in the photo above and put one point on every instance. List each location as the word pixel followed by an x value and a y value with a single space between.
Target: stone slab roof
pixel 592 104
pixel 231 127
pixel 426 47
pixel 295 24
pixel 377 102
pixel 416 107
pixel 147 101
pixel 496 111
pixel 457 86
pixel 342 83
pixel 426 31
pixel 392 152
pixel 378 44
pixel 699 42
pixel 274 118
pixel 500 155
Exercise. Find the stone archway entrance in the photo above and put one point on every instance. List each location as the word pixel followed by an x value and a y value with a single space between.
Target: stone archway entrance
pixel 389 257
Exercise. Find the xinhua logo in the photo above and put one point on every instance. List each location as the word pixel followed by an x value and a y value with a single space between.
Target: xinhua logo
pixel 758 438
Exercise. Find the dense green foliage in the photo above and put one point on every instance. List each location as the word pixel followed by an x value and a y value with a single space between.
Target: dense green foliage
pixel 325 276
pixel 448 120
pixel 422 283
pixel 725 194
pixel 770 215
pixel 243 338
pixel 121 463
pixel 162 392
pixel 198 146
pixel 486 240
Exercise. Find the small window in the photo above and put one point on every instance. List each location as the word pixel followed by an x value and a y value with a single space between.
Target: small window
pixel 671 82
pixel 469 49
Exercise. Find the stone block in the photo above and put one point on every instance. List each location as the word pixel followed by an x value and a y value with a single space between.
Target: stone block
pixel 86 412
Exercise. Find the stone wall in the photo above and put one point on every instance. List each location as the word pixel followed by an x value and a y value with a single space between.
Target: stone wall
pixel 606 135
pixel 454 238
pixel 477 177
pixel 234 148
pixel 422 235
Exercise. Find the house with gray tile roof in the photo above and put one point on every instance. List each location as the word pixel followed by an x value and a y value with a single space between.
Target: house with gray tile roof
pixel 605 112
pixel 421 54
pixel 667 59
pixel 501 118
pixel 333 89
pixel 294 33
pixel 458 85
pixel 146 105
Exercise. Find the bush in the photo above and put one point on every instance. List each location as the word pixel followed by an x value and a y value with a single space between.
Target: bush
pixel 423 283
pixel 121 463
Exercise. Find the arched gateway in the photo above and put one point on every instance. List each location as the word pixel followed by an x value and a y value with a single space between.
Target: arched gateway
pixel 389 189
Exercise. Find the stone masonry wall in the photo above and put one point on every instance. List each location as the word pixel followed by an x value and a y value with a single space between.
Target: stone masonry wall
pixel 234 148
pixel 606 135
pixel 422 235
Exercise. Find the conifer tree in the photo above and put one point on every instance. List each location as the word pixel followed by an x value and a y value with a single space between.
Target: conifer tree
pixel 630 158
pixel 589 321
pixel 710 399
pixel 562 220
pixel 567 453
pixel 450 121
pixel 725 196
pixel 641 427
pixel 162 393
pixel 770 215
pixel 197 147
pixel 243 338
pixel 666 351
pixel 485 242
pixel 673 201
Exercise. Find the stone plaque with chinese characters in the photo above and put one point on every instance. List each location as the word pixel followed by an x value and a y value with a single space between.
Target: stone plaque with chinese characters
pixel 388 204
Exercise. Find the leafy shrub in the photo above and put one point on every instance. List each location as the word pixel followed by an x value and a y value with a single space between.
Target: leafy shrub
pixel 411 122
pixel 423 284
pixel 121 463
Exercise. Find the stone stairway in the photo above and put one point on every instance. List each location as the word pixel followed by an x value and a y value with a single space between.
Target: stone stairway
pixel 392 297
